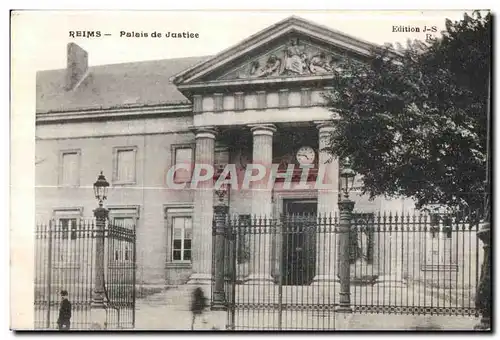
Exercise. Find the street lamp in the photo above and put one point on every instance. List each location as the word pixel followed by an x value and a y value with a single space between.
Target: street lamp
pixel 101 189
pixel 98 307
pixel 346 179
pixel 345 207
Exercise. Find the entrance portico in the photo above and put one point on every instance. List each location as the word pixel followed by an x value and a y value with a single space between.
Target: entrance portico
pixel 265 97
pixel 286 184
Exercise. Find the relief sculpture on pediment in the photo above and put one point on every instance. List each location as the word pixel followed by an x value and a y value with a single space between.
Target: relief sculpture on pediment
pixel 293 59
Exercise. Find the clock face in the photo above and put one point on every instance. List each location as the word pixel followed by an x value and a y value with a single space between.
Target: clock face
pixel 306 155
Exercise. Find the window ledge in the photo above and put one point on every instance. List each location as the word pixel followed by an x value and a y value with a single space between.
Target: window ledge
pixel 181 265
pixel 124 183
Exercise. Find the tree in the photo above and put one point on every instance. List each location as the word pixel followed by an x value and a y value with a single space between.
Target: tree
pixel 413 120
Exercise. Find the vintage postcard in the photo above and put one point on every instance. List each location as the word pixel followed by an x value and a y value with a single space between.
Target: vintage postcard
pixel 251 170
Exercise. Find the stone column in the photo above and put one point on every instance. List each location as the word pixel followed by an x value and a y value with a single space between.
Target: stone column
pixel 203 213
pixel 260 238
pixel 326 244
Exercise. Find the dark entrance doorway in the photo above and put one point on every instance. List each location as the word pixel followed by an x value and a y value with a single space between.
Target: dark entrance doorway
pixel 299 242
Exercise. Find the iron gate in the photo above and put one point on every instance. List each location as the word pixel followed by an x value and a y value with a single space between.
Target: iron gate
pixel 278 288
pixel 65 252
pixel 283 274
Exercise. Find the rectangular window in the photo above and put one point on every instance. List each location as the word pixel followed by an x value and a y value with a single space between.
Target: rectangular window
pixel 67 237
pixel 183 156
pixel 68 228
pixel 125 222
pixel 125 165
pixel 127 217
pixel 182 234
pixel 70 168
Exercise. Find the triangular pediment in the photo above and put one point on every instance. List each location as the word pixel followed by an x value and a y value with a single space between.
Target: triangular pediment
pixel 293 47
pixel 299 56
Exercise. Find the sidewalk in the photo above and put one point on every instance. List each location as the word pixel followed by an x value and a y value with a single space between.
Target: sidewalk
pixel 169 310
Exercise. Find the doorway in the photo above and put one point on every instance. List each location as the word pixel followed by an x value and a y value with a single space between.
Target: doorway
pixel 299 241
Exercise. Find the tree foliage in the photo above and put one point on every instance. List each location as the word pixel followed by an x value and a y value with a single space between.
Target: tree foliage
pixel 413 120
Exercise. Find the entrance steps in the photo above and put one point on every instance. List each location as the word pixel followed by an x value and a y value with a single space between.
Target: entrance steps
pixel 175 297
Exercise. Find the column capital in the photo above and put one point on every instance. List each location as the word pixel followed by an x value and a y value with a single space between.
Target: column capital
pixel 262 129
pixel 204 131
pixel 325 125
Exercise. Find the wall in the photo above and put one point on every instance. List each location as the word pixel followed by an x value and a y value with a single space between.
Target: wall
pixel 96 140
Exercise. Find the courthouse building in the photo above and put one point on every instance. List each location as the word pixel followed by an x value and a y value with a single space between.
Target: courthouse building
pixel 258 102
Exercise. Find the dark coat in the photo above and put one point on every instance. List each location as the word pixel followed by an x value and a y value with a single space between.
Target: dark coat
pixel 64 312
pixel 198 301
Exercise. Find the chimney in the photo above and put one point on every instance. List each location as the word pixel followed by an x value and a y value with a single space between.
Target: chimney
pixel 78 64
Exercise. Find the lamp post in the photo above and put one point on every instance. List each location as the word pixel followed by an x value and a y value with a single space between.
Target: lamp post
pixel 219 232
pixel 98 307
pixel 345 207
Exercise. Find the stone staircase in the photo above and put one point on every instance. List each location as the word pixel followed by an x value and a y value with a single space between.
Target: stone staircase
pixel 175 297
pixel 170 310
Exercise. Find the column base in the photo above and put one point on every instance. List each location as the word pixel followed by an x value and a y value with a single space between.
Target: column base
pixel 343 319
pixel 325 279
pixel 363 274
pixel 200 279
pixel 98 317
pixel 392 280
pixel 218 301
pixel 259 279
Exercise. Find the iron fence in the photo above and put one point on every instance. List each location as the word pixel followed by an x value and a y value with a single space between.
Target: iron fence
pixel 284 273
pixel 65 252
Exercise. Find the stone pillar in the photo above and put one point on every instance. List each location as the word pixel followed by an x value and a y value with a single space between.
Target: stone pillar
pixel 345 206
pixel 483 294
pixel 326 247
pixel 203 213
pixel 220 233
pixel 260 241
pixel 98 306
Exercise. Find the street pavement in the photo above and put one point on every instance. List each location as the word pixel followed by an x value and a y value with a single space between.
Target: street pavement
pixel 169 310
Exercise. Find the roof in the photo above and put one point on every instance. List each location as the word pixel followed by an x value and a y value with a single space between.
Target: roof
pixel 143 83
pixel 281 28
pixel 151 83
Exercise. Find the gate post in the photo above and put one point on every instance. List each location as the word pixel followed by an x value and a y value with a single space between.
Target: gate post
pixel 219 225
pixel 345 206
pixel 483 294
pixel 98 306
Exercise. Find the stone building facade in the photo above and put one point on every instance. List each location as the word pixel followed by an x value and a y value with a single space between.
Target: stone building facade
pixel 258 102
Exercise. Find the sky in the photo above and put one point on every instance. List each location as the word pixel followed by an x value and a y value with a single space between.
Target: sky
pixel 40 37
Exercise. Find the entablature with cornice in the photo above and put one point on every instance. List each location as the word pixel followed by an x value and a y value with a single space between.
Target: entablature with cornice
pixel 290 55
